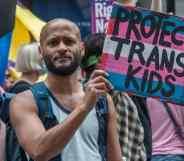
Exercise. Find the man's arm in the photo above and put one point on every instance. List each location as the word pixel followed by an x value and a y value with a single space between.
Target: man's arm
pixel 39 143
pixel 113 146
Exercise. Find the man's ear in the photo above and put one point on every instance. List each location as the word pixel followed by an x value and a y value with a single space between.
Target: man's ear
pixel 40 50
pixel 82 49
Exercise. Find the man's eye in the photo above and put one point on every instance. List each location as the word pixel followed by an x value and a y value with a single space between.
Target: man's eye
pixel 69 41
pixel 53 42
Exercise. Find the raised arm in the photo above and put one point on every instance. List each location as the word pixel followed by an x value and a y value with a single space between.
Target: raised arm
pixel 126 2
pixel 156 5
pixel 42 144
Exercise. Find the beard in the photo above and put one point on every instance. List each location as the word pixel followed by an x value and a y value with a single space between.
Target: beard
pixel 64 70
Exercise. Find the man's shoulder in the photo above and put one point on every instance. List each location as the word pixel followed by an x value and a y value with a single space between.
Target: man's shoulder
pixel 23 101
pixel 22 107
pixel 23 96
pixel 20 86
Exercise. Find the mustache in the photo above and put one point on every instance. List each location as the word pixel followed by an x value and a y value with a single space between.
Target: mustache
pixel 62 57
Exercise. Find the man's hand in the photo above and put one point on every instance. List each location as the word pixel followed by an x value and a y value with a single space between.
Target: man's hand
pixel 96 86
pixel 156 5
pixel 1 90
pixel 126 2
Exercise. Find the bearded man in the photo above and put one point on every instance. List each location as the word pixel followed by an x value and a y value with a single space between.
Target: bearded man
pixel 79 132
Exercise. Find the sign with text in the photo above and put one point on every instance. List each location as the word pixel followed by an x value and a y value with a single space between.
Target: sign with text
pixel 144 53
pixel 101 11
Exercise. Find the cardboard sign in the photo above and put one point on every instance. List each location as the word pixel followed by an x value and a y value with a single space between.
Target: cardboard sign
pixel 101 11
pixel 144 53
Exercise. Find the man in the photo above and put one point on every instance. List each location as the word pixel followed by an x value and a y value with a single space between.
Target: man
pixel 75 137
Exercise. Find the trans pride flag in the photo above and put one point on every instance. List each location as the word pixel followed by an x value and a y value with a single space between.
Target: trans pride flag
pixel 144 53
pixel 7 16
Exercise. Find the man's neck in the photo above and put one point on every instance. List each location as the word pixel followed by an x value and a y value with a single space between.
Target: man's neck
pixel 31 77
pixel 64 84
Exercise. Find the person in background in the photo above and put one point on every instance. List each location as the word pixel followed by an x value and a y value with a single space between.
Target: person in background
pixel 2 140
pixel 167 137
pixel 10 77
pixel 4 103
pixel 2 132
pixel 29 63
pixel 167 121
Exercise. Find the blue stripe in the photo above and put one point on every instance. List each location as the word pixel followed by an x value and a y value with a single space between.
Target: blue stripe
pixel 4 50
pixel 118 82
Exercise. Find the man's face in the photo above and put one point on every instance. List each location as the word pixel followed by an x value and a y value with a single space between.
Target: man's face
pixel 61 49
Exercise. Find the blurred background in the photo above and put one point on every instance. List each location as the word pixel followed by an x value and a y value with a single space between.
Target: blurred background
pixel 79 11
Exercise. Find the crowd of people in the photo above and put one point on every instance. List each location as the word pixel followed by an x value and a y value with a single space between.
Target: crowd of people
pixel 74 113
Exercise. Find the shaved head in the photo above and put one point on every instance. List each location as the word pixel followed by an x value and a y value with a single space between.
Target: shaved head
pixel 61 46
pixel 66 24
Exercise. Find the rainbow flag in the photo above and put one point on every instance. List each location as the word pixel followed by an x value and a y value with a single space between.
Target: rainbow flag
pixel 144 53
pixel 28 26
pixel 7 17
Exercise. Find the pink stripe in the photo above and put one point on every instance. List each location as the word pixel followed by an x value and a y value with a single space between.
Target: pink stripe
pixel 110 64
pixel 123 29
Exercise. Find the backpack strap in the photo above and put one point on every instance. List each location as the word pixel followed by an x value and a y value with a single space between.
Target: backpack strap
pixel 20 86
pixel 102 116
pixel 5 99
pixel 41 96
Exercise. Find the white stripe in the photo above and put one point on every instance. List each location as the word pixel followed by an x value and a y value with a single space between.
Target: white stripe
pixel 110 48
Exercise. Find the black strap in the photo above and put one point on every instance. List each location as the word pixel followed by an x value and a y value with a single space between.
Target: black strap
pixel 102 113
pixel 41 95
pixel 23 155
pixel 176 125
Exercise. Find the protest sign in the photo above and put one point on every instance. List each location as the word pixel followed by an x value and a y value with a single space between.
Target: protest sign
pixel 101 11
pixel 144 53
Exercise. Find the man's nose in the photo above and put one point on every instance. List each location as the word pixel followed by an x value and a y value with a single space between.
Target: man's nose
pixel 62 46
